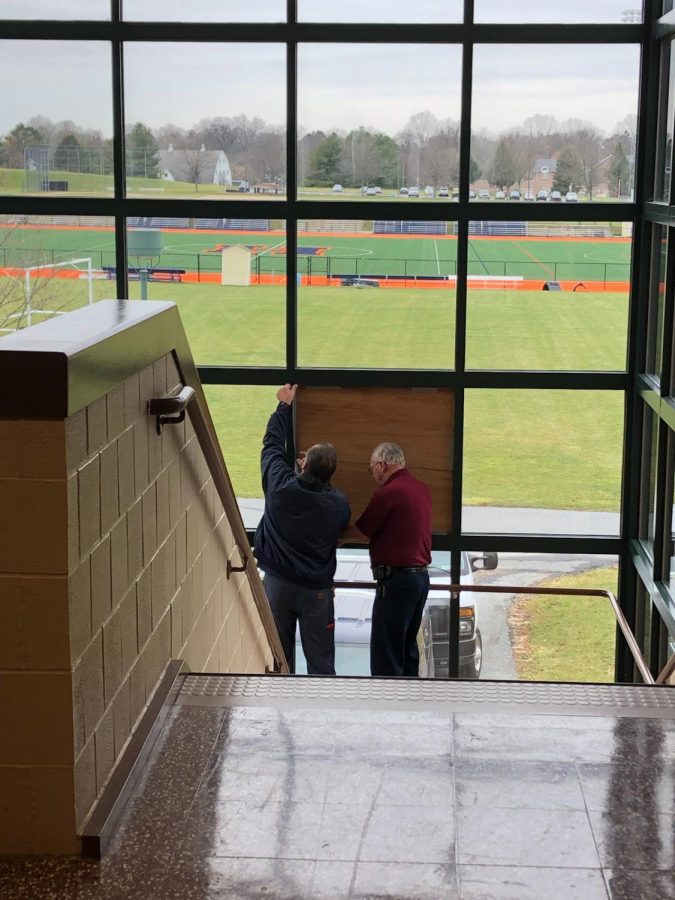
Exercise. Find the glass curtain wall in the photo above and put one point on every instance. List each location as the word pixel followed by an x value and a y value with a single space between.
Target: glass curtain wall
pixel 445 196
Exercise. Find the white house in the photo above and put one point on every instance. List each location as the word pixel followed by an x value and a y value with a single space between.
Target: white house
pixel 195 166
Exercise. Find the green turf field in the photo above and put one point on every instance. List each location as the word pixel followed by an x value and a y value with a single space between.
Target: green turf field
pixel 523 448
pixel 333 254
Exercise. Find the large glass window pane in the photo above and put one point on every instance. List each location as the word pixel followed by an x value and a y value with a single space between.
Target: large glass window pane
pixel 554 123
pixel 574 11
pixel 56 120
pixel 657 287
pixel 378 121
pixel 50 265
pixel 376 294
pixel 48 9
pixel 504 636
pixel 650 446
pixel 549 637
pixel 240 414
pixel 548 295
pixel 227 277
pixel 430 11
pixel 542 462
pixel 205 10
pixel 664 145
pixel 202 130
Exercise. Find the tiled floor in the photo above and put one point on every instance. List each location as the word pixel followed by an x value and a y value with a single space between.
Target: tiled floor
pixel 303 803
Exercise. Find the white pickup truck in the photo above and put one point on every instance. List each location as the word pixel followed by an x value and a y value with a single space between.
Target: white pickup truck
pixel 353 618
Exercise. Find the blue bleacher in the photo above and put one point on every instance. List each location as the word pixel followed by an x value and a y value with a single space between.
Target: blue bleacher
pixel 209 223
pixel 381 226
pixel 246 224
pixel 512 228
pixel 156 222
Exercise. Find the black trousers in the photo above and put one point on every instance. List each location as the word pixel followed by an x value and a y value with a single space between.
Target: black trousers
pixel 315 612
pixel 397 615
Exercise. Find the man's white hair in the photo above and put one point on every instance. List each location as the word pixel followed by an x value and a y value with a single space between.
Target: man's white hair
pixel 388 453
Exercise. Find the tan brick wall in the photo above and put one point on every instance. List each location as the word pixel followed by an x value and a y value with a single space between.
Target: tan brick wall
pixel 36 743
pixel 113 550
pixel 152 541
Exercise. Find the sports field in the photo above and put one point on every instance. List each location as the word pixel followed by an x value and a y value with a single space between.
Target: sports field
pixel 523 448
pixel 385 256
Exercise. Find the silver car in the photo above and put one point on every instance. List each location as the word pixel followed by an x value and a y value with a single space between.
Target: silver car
pixel 354 610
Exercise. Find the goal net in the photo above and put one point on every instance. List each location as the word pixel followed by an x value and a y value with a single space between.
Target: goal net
pixel 32 288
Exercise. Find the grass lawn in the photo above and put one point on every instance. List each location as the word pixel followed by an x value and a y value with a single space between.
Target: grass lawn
pixel 557 449
pixel 566 638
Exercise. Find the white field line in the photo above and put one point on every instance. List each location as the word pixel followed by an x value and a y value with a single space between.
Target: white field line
pixel 438 262
pixel 269 249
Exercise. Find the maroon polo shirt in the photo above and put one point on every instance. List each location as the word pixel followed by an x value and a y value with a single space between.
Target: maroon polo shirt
pixel 398 522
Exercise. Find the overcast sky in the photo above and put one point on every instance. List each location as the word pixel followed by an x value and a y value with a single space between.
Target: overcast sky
pixel 432 11
pixel 375 85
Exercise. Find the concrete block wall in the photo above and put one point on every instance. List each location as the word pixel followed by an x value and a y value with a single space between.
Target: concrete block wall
pixel 112 562
pixel 36 741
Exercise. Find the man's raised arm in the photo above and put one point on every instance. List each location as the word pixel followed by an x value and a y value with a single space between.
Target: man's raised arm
pixel 273 462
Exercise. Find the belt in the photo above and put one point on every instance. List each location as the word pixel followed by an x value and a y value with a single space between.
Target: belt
pixel 382 572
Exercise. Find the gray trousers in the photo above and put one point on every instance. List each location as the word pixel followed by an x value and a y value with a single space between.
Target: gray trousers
pixel 314 610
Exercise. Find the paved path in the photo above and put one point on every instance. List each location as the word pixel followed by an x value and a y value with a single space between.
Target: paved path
pixel 488 519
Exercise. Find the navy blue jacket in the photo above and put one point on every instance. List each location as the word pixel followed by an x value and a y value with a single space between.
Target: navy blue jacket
pixel 298 533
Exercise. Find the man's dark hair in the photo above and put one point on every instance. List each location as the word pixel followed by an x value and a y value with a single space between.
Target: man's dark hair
pixel 321 463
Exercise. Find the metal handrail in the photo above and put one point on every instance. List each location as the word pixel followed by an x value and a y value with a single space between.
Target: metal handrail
pixel 170 410
pixel 640 661
pixel 226 493
pixel 205 432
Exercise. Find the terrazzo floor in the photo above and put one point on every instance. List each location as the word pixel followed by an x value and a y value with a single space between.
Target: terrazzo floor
pixel 270 802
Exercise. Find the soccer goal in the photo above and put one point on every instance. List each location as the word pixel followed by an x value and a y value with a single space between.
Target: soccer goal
pixel 69 268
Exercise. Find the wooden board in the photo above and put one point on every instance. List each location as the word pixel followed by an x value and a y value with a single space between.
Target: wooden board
pixel 355 420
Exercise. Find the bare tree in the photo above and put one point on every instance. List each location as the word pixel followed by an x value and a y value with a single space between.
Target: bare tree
pixel 591 152
pixel 17 294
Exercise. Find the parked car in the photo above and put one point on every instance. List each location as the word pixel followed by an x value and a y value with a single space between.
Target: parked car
pixel 429 191
pixel 354 609
pixel 483 194
pixel 555 197
pixel 514 195
pixel 413 192
pixel 571 197
pixel 472 195
pixel 443 192
pixel 500 195
pixel 542 194
pixel 378 189
pixel 403 190
pixel 337 188
pixel 528 195
pixel 370 192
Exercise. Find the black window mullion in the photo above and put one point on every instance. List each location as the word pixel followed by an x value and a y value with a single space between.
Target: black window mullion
pixel 119 169
pixel 291 191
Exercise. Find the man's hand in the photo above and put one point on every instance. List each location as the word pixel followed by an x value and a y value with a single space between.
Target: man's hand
pixel 301 461
pixel 286 394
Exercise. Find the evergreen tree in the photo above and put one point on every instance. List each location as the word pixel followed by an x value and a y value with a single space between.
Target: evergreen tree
pixel 324 165
pixel 568 173
pixel 504 172
pixel 142 152
pixel 67 155
pixel 15 143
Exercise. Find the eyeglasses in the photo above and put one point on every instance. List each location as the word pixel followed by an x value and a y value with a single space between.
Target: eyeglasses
pixel 378 463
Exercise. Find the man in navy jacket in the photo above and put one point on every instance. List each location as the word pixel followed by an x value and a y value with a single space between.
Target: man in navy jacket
pixel 296 539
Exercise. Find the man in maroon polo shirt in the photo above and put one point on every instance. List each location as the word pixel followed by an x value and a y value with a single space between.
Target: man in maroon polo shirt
pixel 397 521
